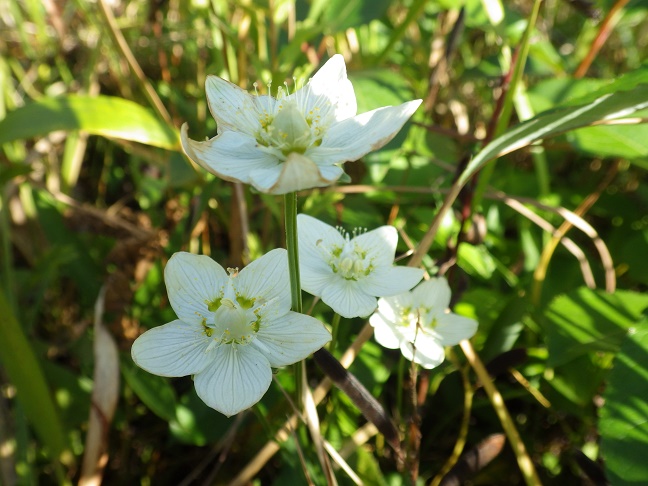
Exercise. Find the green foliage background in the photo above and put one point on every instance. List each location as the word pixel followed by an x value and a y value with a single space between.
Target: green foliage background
pixel 546 245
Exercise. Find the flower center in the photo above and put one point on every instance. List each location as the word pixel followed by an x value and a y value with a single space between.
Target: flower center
pixel 288 131
pixel 350 262
pixel 234 324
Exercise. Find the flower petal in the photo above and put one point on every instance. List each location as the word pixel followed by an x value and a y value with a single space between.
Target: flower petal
pixel 329 93
pixel 347 298
pixel 426 352
pixel 433 294
pixel 385 331
pixel 193 281
pixel 290 338
pixel 174 349
pixel 392 280
pixel 232 107
pixel 452 328
pixel 379 244
pixel 296 173
pixel 233 156
pixel 237 379
pixel 266 278
pixel 316 242
pixel 354 137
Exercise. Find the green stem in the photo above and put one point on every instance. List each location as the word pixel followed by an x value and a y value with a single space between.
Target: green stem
pixel 290 212
pixel 335 324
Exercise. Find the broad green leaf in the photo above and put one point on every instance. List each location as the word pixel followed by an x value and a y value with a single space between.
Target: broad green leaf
pixel 624 417
pixel 588 320
pixel 24 371
pixel 559 120
pixel 154 391
pixel 339 15
pixel 98 115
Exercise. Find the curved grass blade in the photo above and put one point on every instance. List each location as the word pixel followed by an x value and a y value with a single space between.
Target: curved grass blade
pixel 24 371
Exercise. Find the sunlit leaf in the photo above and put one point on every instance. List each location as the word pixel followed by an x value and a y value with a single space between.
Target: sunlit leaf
pixel 624 417
pixel 560 120
pixel 98 115
pixel 588 320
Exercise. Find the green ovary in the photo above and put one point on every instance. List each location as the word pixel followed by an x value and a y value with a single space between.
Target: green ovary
pixel 234 324
pixel 288 131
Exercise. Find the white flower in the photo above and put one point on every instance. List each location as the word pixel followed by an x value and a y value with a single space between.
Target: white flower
pixel 296 141
pixel 420 324
pixel 231 329
pixel 349 273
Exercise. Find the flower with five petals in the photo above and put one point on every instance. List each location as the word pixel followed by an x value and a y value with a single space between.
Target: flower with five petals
pixel 420 324
pixel 231 329
pixel 350 273
pixel 296 141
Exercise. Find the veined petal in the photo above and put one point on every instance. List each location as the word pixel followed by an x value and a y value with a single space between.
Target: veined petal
pixel 174 349
pixel 232 107
pixel 266 278
pixel 347 298
pixel 193 282
pixel 452 328
pixel 433 294
pixel 237 379
pixel 316 242
pixel 233 156
pixel 380 244
pixel 392 280
pixel 329 94
pixel 354 137
pixel 385 331
pixel 296 173
pixel 426 352
pixel 290 338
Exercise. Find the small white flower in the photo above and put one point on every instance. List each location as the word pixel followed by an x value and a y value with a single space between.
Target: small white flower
pixel 420 324
pixel 231 329
pixel 349 273
pixel 296 141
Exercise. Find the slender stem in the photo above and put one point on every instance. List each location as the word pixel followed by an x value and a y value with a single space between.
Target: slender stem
pixel 524 460
pixel 335 324
pixel 290 210
pixel 290 213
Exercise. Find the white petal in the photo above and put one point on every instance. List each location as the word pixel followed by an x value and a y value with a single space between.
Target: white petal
pixel 174 349
pixel 380 244
pixel 347 298
pixel 429 353
pixel 453 328
pixel 296 173
pixel 232 107
pixel 233 156
pixel 316 241
pixel 354 137
pixel 193 281
pixel 266 278
pixel 388 281
pixel 329 92
pixel 433 294
pixel 385 331
pixel 237 379
pixel 290 338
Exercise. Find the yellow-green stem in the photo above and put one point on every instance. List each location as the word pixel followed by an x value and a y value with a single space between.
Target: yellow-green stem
pixel 524 460
pixel 290 213
pixel 335 324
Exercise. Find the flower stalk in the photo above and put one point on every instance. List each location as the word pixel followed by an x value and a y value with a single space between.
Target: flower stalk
pixel 290 217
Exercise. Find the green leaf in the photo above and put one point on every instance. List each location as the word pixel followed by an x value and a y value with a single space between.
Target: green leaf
pixel 559 120
pixel 24 371
pixel 98 115
pixel 154 391
pixel 624 417
pixel 588 320
pixel 339 15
